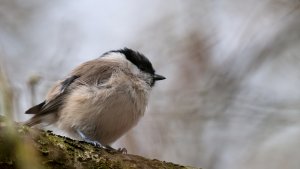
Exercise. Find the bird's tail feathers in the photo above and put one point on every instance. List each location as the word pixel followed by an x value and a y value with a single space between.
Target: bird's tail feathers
pixel 35 109
pixel 33 121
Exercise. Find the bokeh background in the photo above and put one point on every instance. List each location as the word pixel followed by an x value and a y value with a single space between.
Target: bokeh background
pixel 231 99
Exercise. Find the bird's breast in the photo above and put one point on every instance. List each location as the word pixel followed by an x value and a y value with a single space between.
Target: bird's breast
pixel 104 112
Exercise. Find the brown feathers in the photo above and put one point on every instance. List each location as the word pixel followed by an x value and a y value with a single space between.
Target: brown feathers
pixel 102 98
pixel 35 109
pixel 89 73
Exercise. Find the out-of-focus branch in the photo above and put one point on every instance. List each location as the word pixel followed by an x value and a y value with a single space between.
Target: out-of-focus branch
pixel 32 83
pixel 11 144
pixel 6 94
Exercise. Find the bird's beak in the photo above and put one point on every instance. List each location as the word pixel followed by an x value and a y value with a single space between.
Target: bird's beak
pixel 158 77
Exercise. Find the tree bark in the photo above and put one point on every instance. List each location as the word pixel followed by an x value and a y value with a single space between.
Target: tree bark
pixel 23 147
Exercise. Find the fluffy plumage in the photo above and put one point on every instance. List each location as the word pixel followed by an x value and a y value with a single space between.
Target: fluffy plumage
pixel 102 98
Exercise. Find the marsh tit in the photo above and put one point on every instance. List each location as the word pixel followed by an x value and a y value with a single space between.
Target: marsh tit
pixel 101 99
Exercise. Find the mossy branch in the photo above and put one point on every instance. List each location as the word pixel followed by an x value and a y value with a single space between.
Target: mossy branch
pixel 53 151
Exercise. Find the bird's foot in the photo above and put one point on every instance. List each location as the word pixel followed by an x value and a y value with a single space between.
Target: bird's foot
pixel 98 144
pixel 122 150
pixel 119 150
pixel 86 139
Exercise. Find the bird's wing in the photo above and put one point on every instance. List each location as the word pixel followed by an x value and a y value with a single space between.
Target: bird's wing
pixel 89 73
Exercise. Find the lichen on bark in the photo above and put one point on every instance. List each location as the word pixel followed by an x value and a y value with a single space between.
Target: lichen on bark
pixel 43 149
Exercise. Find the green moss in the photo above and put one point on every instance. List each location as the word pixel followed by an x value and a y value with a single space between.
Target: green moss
pixel 62 152
pixel 23 130
pixel 7 165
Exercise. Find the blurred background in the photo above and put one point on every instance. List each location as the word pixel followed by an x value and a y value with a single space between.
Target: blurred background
pixel 231 99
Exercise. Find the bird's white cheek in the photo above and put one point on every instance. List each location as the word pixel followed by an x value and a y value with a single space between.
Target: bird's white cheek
pixel 133 69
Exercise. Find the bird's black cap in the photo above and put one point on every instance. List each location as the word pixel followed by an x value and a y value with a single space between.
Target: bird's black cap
pixel 138 59
pixel 141 61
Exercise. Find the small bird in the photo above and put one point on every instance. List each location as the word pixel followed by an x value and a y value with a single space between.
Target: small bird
pixel 101 99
